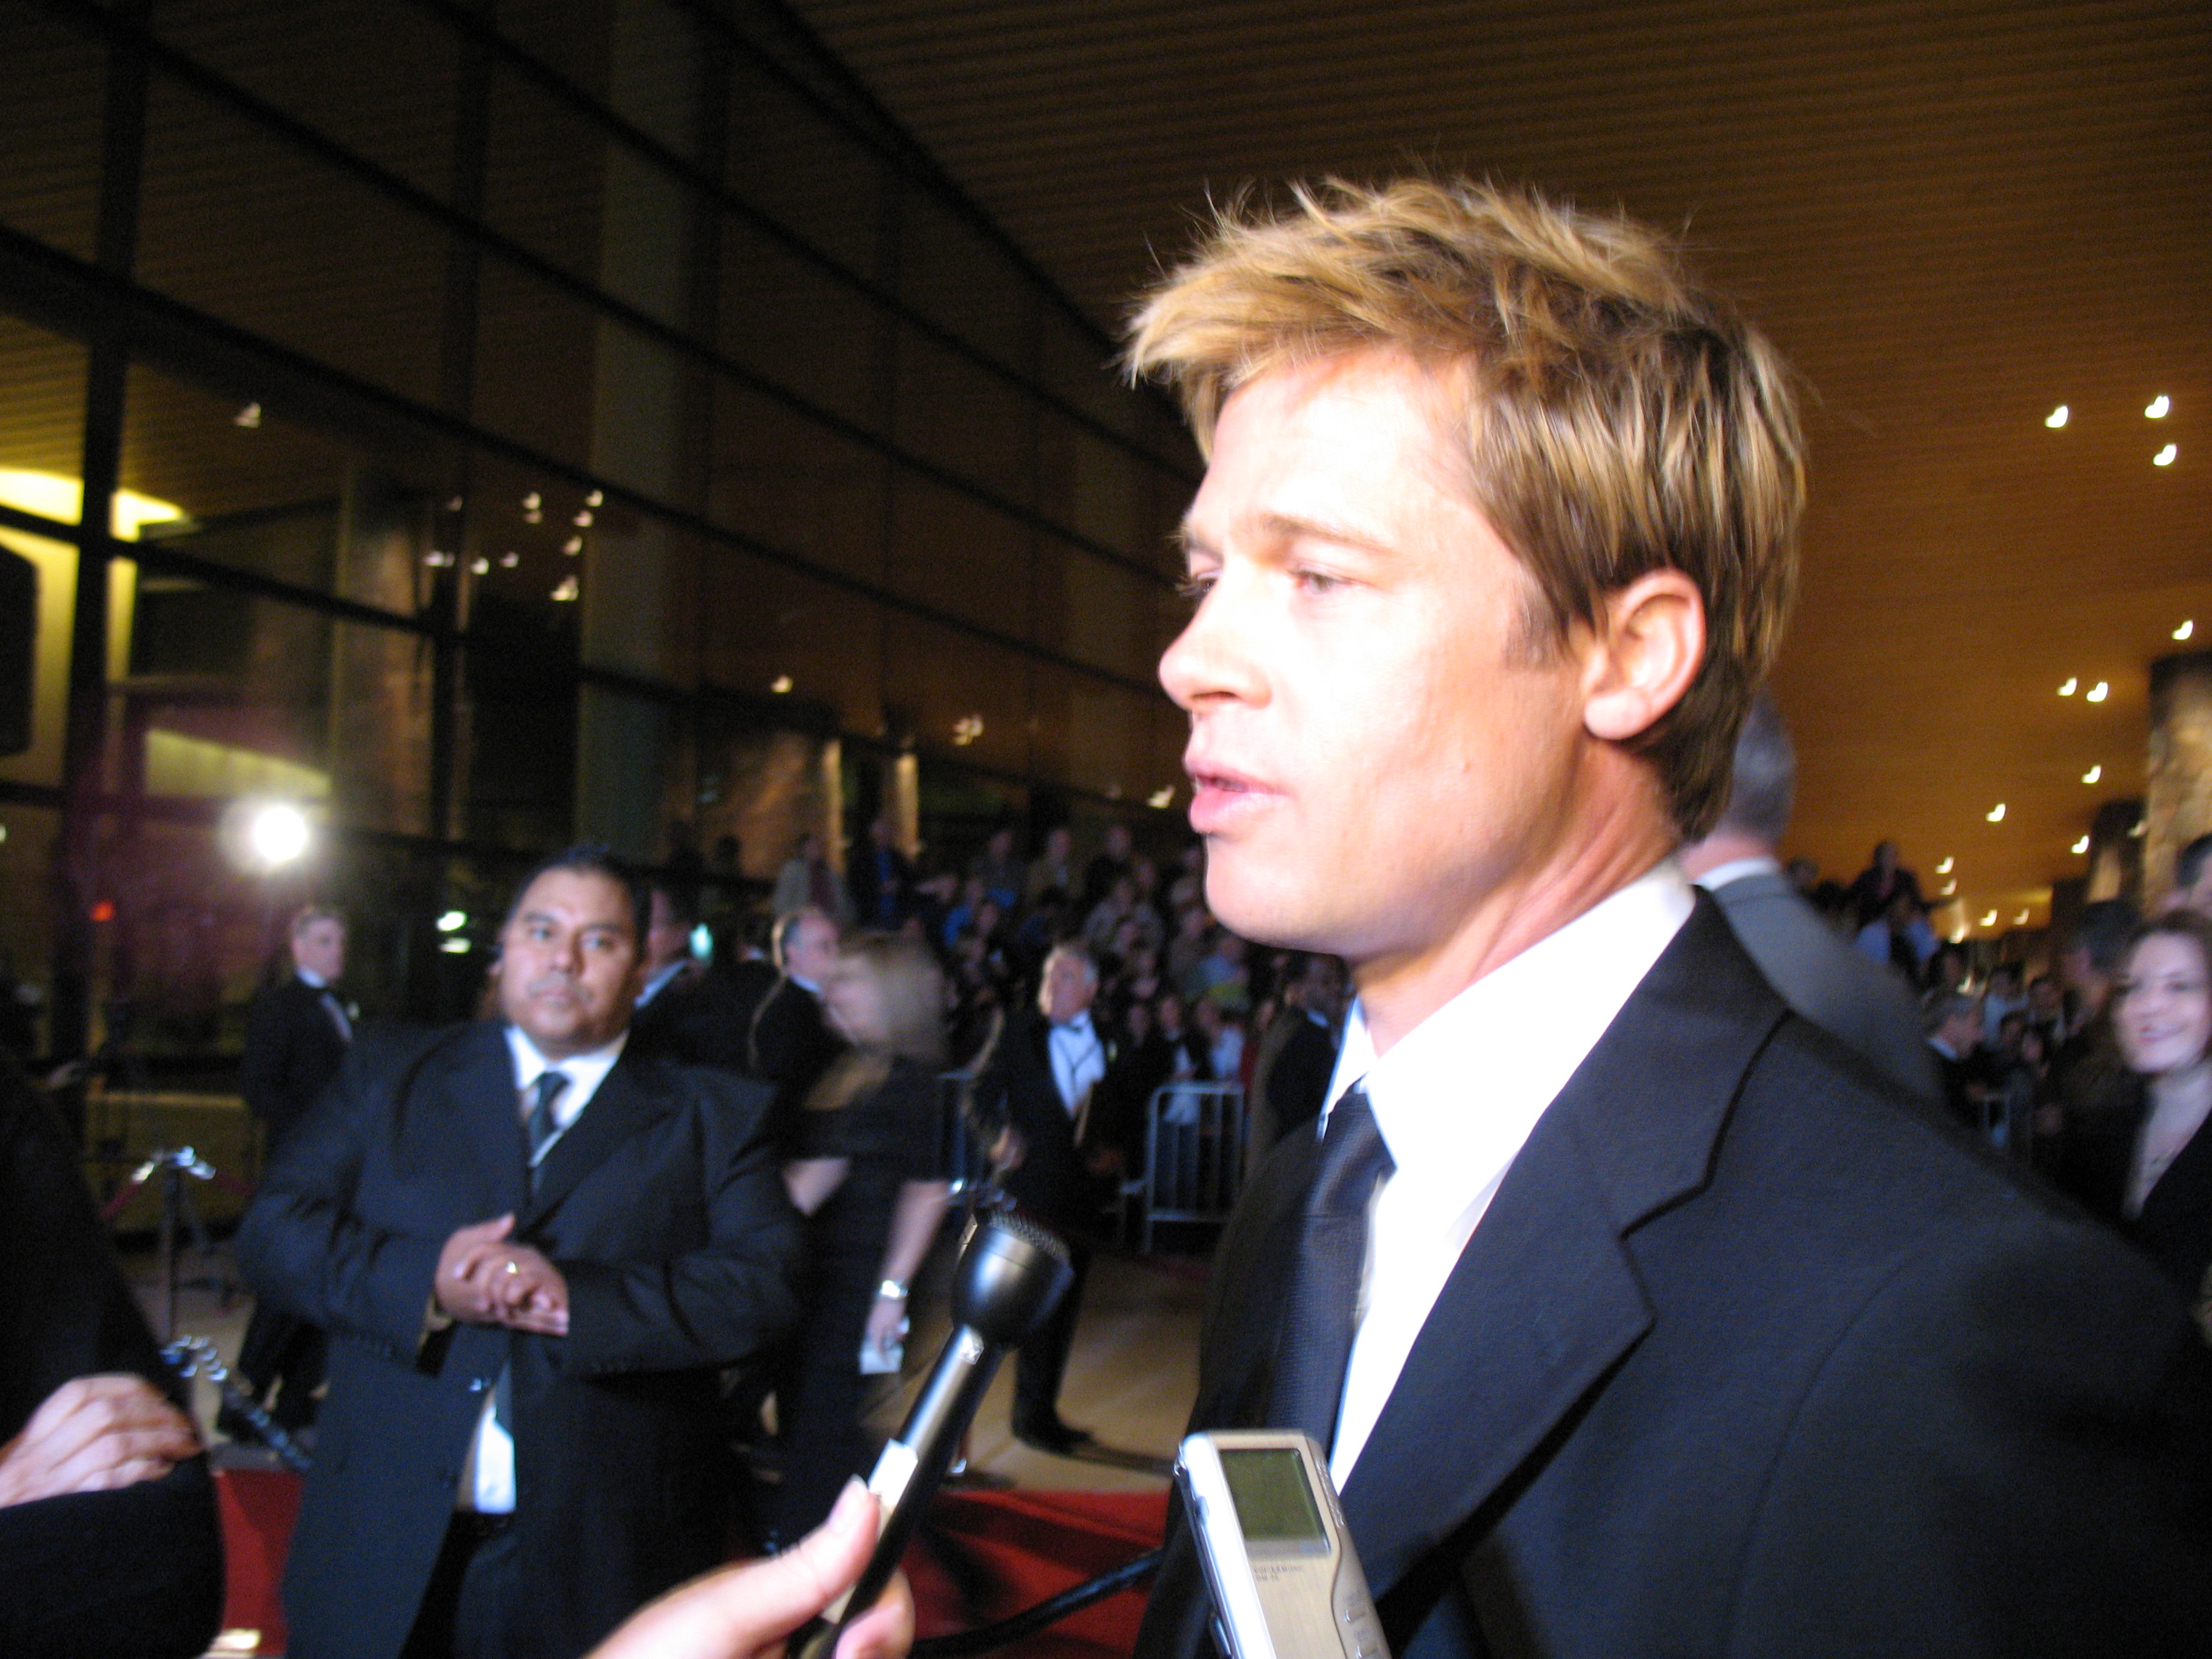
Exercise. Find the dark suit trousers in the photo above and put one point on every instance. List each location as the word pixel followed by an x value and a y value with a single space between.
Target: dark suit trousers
pixel 469 1610
pixel 282 1348
pixel 1042 1359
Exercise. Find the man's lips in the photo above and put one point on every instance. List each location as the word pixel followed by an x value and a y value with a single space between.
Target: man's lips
pixel 1218 794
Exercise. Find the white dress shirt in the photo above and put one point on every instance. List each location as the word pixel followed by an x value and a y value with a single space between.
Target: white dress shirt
pixel 1457 1097
pixel 1079 1060
pixel 487 1476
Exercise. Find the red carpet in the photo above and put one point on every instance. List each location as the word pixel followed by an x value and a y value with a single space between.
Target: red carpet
pixel 1016 1548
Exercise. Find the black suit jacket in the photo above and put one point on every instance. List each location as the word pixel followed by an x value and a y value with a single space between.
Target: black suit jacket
pixel 132 1573
pixel 700 1017
pixel 668 1220
pixel 2175 1227
pixel 293 1050
pixel 1749 1356
pixel 1015 1086
pixel 792 1046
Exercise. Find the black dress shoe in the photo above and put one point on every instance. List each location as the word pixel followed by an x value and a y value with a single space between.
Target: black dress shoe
pixel 1061 1439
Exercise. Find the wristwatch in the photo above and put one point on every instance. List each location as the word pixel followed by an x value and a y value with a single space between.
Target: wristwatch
pixel 890 1291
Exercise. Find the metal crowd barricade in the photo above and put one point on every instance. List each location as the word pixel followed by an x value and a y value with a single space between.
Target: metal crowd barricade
pixel 959 1159
pixel 1193 1153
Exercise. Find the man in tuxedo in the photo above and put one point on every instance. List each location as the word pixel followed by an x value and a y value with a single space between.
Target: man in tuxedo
pixel 297 1031
pixel 792 1045
pixel 1032 1097
pixel 1838 988
pixel 1636 1315
pixel 532 1248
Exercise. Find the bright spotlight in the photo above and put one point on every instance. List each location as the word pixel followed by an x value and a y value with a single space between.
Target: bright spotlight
pixel 452 921
pixel 277 833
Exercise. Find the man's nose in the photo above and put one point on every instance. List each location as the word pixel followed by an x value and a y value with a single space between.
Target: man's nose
pixel 1214 658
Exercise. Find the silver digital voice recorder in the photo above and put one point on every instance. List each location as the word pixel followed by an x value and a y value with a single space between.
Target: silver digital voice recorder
pixel 1285 1583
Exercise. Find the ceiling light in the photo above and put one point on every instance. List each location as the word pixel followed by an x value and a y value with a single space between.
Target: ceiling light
pixel 2185 630
pixel 249 418
pixel 1996 814
pixel 2100 691
pixel 2067 690
pixel 1948 888
pixel 594 498
pixel 508 561
pixel 2056 418
pixel 455 504
pixel 480 566
pixel 1958 936
pixel 1161 799
pixel 1990 920
pixel 452 921
pixel 2020 921
pixel 967 729
pixel 2156 408
pixel 1944 868
pixel 2141 824
pixel 455 947
pixel 780 684
pixel 2093 774
pixel 533 517
pixel 2081 846
pixel 2164 456
pixel 584 519
pixel 573 546
pixel 568 590
pixel 532 502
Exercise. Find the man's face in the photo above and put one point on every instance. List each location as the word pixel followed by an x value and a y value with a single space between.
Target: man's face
pixel 812 951
pixel 667 939
pixel 2198 897
pixel 1067 989
pixel 1375 749
pixel 319 947
pixel 568 965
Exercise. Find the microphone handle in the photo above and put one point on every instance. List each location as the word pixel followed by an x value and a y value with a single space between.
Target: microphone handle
pixel 908 1473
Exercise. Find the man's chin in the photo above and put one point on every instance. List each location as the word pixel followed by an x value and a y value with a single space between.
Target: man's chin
pixel 1266 907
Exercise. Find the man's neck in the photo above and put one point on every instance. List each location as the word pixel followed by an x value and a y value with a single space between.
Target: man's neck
pixel 1399 989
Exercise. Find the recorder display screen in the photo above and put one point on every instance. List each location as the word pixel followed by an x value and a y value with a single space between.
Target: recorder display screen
pixel 1274 1503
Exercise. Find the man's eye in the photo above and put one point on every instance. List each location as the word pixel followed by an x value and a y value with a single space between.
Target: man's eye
pixel 1196 586
pixel 1316 581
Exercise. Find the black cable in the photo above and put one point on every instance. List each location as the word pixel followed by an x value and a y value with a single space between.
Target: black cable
pixel 967 1644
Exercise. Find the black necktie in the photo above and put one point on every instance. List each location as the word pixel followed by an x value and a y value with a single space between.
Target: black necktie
pixel 1324 1294
pixel 541 1127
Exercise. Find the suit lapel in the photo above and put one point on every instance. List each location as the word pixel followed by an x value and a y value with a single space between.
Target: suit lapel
pixel 617 1109
pixel 477 1098
pixel 1545 1300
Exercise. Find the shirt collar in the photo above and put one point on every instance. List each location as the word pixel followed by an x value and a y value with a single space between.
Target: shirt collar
pixel 1458 1094
pixel 1079 1026
pixel 1736 869
pixel 586 1072
pixel 309 976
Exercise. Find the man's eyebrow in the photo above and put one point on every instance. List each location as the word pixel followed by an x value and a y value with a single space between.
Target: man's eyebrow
pixel 1286 527
pixel 1289 526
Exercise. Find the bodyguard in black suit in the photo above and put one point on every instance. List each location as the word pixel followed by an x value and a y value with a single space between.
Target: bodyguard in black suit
pixel 297 1031
pixel 688 1011
pixel 1637 1316
pixel 529 1301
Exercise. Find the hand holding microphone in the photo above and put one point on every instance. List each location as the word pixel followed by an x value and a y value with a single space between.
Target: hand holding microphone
pixel 1010 1275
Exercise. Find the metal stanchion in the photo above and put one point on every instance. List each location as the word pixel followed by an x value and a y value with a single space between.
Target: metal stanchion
pixel 188 1356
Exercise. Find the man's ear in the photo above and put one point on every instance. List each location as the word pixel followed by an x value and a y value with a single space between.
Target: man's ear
pixel 1645 649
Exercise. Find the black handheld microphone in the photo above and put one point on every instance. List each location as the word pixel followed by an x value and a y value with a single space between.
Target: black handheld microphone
pixel 1010 1277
